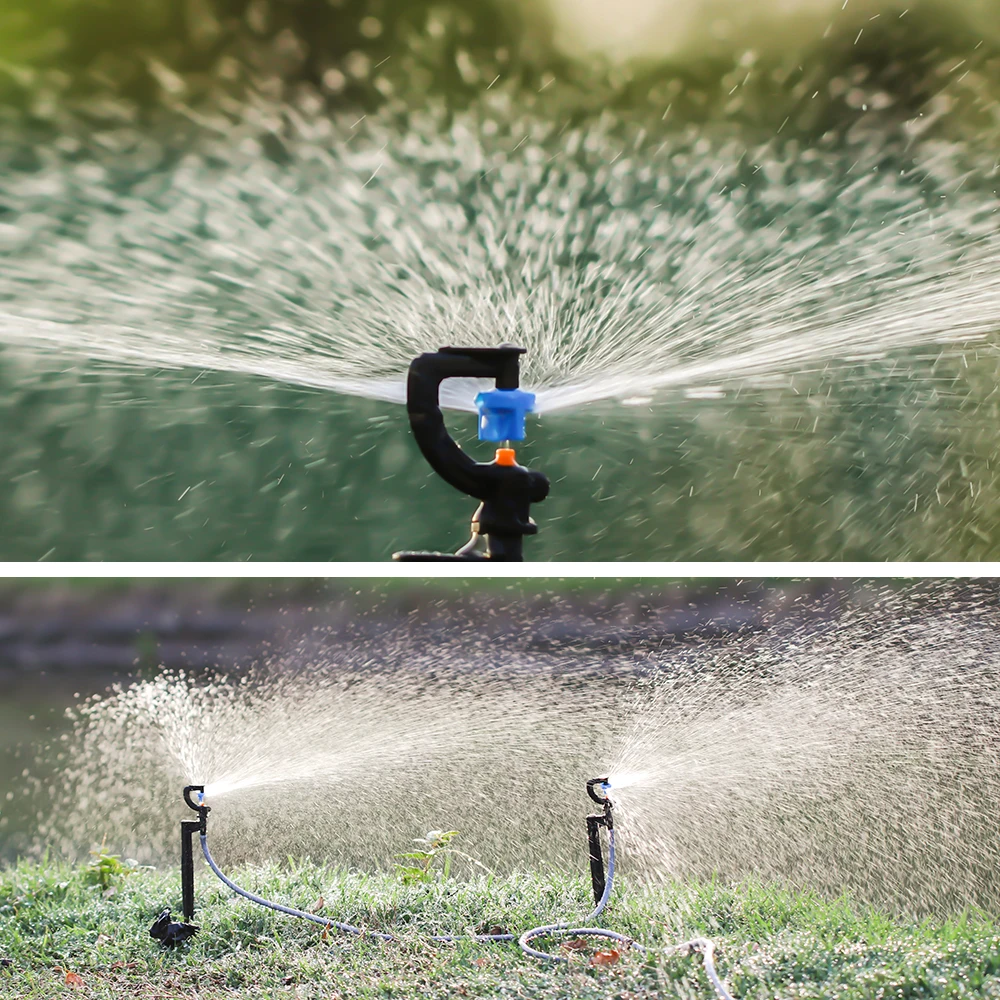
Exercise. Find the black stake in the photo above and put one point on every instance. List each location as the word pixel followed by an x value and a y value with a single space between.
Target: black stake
pixel 188 829
pixel 594 824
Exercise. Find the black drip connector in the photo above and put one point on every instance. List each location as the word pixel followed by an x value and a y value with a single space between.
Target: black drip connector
pixel 505 492
pixel 171 933
pixel 594 824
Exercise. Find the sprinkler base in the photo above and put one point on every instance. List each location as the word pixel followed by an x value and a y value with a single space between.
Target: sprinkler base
pixel 171 932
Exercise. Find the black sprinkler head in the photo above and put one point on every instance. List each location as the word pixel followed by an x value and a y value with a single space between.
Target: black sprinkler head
pixel 189 828
pixel 594 824
pixel 604 785
pixel 199 805
pixel 506 490
pixel 199 790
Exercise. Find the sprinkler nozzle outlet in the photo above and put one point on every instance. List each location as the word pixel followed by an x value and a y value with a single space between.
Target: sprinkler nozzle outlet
pixel 502 413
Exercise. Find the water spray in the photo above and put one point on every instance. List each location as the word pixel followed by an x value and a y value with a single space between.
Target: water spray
pixel 172 933
pixel 505 489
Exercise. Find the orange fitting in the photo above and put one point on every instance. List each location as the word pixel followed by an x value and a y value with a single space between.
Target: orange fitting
pixel 505 456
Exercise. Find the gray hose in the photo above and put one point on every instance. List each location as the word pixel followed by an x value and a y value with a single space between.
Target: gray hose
pixel 703 945
pixel 324 921
pixel 564 929
pixel 707 948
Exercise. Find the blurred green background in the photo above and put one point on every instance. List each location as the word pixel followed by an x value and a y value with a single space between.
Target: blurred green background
pixel 153 467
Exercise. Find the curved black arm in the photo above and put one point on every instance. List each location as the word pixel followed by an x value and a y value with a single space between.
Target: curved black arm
pixel 592 785
pixel 188 789
pixel 199 807
pixel 423 385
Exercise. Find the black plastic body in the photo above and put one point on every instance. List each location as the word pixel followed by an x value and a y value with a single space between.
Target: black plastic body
pixel 189 828
pixel 594 849
pixel 505 492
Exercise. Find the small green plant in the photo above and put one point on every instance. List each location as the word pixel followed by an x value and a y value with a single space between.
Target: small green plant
pixel 421 868
pixel 105 868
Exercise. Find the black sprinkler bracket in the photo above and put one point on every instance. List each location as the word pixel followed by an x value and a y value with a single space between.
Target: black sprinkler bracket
pixel 188 829
pixel 594 824
pixel 505 489
pixel 199 807
pixel 173 932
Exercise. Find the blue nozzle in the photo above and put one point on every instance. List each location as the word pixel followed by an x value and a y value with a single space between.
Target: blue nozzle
pixel 502 413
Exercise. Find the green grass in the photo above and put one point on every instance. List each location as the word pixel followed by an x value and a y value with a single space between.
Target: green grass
pixel 56 919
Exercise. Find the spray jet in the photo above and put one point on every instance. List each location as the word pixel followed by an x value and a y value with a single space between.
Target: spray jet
pixel 505 489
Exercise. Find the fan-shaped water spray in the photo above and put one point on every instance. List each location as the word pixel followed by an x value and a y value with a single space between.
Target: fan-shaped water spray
pixel 798 237
pixel 863 761
pixel 626 261
pixel 283 757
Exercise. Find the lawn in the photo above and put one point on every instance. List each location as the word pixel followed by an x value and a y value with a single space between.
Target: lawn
pixel 82 931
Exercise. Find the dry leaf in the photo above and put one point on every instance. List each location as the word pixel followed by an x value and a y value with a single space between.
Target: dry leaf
pixel 481 962
pixel 326 933
pixel 608 957
pixel 576 944
pixel 74 979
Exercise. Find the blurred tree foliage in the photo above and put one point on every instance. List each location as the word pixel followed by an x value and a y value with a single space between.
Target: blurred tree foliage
pixel 360 52
pixel 138 48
